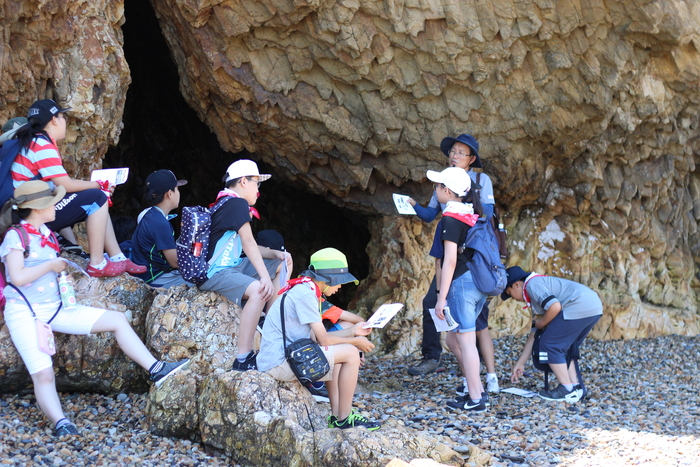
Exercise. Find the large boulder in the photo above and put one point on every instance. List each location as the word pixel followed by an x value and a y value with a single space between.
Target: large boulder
pixel 249 414
pixel 92 363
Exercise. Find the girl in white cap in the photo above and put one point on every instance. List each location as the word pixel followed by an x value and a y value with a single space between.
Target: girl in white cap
pixel 33 299
pixel 457 288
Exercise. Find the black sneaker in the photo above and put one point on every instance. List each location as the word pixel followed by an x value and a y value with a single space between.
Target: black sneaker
pixel 250 363
pixel 168 369
pixel 427 365
pixel 66 429
pixel 70 247
pixel 463 394
pixel 320 393
pixel 563 394
pixel 355 420
pixel 468 404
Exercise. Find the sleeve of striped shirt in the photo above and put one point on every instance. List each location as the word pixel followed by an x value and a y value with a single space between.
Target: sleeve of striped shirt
pixel 41 158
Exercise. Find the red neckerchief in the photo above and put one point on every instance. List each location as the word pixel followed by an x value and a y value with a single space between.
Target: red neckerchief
pixel 300 280
pixel 526 296
pixel 226 192
pixel 45 239
pixel 461 212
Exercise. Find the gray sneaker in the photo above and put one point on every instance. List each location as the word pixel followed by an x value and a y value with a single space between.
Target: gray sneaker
pixel 168 369
pixel 427 365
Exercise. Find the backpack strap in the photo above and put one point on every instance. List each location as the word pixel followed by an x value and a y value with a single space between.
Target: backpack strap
pixel 24 237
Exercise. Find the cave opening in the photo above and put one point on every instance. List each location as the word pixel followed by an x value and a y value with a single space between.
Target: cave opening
pixel 162 131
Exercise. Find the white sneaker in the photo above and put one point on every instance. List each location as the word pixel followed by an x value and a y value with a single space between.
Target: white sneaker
pixel 492 384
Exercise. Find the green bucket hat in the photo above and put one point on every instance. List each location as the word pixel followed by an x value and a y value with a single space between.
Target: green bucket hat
pixel 330 266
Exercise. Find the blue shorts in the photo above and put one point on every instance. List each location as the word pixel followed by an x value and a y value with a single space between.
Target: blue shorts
pixel 465 302
pixel 561 335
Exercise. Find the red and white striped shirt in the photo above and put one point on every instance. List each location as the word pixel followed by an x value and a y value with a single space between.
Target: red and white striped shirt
pixel 40 158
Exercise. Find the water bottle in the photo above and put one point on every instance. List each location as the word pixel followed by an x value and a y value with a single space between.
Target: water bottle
pixel 66 290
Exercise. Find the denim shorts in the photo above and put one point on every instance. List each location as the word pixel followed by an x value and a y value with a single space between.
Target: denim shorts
pixel 465 302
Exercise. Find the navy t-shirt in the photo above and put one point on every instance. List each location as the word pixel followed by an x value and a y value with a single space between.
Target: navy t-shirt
pixel 231 216
pixel 152 235
pixel 455 231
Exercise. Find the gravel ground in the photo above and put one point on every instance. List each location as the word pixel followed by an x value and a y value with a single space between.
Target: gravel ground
pixel 643 409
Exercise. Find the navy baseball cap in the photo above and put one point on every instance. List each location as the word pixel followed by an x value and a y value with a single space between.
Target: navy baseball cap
pixel 44 110
pixel 160 182
pixel 447 143
pixel 515 274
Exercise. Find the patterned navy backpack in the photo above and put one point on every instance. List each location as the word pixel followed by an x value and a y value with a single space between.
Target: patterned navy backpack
pixel 193 244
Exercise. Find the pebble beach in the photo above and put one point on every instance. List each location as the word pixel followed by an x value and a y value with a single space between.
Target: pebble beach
pixel 643 408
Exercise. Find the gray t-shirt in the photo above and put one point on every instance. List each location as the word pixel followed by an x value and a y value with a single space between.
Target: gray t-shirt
pixel 577 300
pixel 486 191
pixel 301 307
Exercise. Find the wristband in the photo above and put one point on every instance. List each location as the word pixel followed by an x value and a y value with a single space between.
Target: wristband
pixel 103 184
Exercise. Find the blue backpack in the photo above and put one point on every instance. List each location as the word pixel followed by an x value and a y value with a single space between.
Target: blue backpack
pixel 7 156
pixel 488 272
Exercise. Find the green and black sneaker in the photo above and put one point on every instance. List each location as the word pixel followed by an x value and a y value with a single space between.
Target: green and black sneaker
pixel 355 419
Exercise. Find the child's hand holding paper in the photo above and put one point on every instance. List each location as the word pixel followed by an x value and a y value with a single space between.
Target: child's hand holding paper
pixel 383 314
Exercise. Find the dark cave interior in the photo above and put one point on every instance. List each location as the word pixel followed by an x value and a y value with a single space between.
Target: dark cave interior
pixel 162 131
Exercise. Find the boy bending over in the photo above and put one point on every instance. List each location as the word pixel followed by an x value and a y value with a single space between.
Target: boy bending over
pixel 567 311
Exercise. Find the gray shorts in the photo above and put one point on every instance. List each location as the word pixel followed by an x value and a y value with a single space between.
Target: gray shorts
pixel 233 282
pixel 169 279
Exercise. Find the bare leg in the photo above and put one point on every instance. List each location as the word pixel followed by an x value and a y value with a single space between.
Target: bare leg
pixel 470 360
pixel 573 377
pixel 486 347
pixel 562 373
pixel 111 244
pixel 250 317
pixel 129 342
pixel 341 390
pixel 453 345
pixel 67 233
pixel 96 223
pixel 276 287
pixel 46 395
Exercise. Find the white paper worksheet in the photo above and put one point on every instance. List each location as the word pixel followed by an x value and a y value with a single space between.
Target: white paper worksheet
pixel 113 176
pixel 401 202
pixel 383 314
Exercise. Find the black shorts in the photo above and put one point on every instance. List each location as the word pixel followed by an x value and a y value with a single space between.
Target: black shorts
pixel 482 320
pixel 76 207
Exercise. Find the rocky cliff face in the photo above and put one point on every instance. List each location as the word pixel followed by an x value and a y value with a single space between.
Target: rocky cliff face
pixel 586 112
pixel 69 51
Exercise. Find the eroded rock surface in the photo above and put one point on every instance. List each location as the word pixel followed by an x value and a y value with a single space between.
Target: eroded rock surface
pixel 69 51
pixel 587 114
pixel 93 363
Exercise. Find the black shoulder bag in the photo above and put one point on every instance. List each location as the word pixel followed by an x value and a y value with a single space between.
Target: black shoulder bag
pixel 305 357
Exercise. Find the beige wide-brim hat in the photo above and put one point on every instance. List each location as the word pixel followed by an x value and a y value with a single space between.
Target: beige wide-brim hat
pixel 36 194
